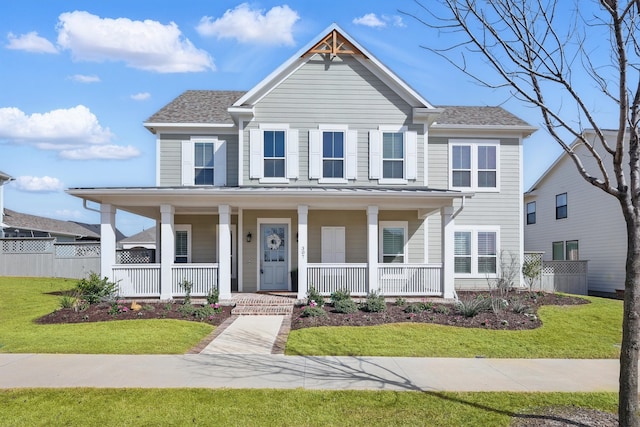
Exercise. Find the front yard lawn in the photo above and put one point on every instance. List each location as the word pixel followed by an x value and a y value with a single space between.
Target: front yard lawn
pixel 23 300
pixel 587 331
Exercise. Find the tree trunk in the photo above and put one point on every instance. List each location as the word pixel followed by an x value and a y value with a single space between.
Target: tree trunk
pixel 628 392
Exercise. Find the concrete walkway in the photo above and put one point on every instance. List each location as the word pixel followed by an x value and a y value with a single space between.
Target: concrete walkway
pixel 287 372
pixel 247 335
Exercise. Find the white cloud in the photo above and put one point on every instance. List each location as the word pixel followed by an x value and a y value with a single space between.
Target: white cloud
pixel 75 133
pixel 252 25
pixel 141 96
pixel 108 152
pixel 34 184
pixel 30 42
pixel 146 45
pixel 81 78
pixel 372 20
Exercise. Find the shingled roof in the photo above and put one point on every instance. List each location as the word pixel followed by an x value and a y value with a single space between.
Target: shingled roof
pixel 210 106
pixel 198 106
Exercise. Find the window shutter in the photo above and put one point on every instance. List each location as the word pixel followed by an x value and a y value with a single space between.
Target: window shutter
pixel 220 164
pixel 188 172
pixel 411 155
pixel 375 158
pixel 315 159
pixel 352 154
pixel 333 245
pixel 292 154
pixel 256 148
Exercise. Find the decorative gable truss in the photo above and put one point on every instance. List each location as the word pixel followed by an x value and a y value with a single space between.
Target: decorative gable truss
pixel 334 44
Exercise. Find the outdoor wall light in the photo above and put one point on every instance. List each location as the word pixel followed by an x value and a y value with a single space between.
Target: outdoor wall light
pixel 249 237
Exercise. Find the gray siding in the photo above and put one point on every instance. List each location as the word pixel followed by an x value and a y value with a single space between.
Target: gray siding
pixel 343 92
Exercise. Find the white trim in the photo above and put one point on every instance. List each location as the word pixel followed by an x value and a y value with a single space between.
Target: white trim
pixel 241 145
pixel 393 224
pixel 474 230
pixel 240 240
pixel 259 222
pixel 187 228
pixel 345 141
pixel 474 144
pixel 158 147
pixel 234 248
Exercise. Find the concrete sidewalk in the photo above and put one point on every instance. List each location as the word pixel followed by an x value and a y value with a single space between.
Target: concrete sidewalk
pixel 287 372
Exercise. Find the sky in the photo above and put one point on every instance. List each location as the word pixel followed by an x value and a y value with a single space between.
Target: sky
pixel 79 78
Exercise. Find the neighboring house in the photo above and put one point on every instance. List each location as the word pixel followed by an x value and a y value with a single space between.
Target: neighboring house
pixel 333 167
pixel 4 179
pixel 145 239
pixel 21 225
pixel 569 219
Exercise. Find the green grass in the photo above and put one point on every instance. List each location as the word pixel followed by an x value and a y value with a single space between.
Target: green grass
pixel 79 407
pixel 22 300
pixel 587 331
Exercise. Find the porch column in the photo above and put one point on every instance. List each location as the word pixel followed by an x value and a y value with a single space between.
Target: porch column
pixel 107 240
pixel 224 256
pixel 448 253
pixel 167 250
pixel 158 240
pixel 372 247
pixel 303 217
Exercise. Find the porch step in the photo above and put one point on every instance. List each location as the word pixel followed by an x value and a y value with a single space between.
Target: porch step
pixel 261 304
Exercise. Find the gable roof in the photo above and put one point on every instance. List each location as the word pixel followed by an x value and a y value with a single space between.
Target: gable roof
pixel 477 116
pixel 13 219
pixel 5 177
pixel 145 236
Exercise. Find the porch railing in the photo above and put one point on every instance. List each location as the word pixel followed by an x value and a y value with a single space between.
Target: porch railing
pixel 327 278
pixel 203 277
pixel 140 280
pixel 409 279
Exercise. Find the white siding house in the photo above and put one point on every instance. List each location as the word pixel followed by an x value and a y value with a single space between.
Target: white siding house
pixel 569 219
pixel 332 167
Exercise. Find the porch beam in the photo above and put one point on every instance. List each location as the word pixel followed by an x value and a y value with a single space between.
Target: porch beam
pixel 372 247
pixel 224 255
pixel 303 218
pixel 448 253
pixel 167 250
pixel 107 240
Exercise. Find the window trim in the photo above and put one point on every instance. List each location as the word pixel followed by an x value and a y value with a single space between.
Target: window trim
pixel 560 244
pixel 474 144
pixel 186 228
pixel 528 214
pixel 394 129
pixel 393 224
pixel 566 250
pixel 188 160
pixel 344 129
pixel 565 206
pixel 282 127
pixel 474 230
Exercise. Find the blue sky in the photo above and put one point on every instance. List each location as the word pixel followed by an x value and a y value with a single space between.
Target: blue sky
pixel 79 78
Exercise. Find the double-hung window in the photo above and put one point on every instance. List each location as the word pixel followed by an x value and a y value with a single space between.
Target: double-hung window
pixel 393 157
pixel 565 251
pixel 561 206
pixel 531 213
pixel 204 162
pixel 393 242
pixel 333 154
pixel 273 152
pixel 476 252
pixel 474 164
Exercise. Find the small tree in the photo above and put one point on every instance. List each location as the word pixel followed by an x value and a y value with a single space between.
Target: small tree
pixel 531 269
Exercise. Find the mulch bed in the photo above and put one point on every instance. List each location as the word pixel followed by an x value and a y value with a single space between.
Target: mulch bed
pixel 506 319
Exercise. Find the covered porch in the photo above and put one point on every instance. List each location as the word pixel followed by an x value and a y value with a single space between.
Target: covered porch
pixel 261 239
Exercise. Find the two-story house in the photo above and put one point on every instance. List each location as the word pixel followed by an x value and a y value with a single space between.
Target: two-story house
pixel 333 167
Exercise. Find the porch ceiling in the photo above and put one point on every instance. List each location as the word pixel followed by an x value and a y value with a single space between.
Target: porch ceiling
pixel 146 201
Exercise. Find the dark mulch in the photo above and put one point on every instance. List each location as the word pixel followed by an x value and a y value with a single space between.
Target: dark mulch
pixel 149 310
pixel 506 319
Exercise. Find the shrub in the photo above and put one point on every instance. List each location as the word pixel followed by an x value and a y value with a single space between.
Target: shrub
pixel 473 306
pixel 186 310
pixel 67 301
pixel 314 295
pixel 374 303
pixel 400 302
pixel 186 286
pixel 345 306
pixel 316 311
pixel 413 308
pixel 213 296
pixel 518 306
pixel 95 290
pixel 426 306
pixel 441 309
pixel 340 295
pixel 205 312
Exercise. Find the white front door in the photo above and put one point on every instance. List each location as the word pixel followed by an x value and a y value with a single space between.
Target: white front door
pixel 274 265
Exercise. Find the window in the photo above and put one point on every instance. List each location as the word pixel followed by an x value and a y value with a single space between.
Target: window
pixel 274 154
pixel 393 155
pixel 204 164
pixel 476 252
pixel 572 250
pixel 561 206
pixel 531 213
pixel 332 154
pixel 474 164
pixel 393 239
pixel 558 251
pixel 182 244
